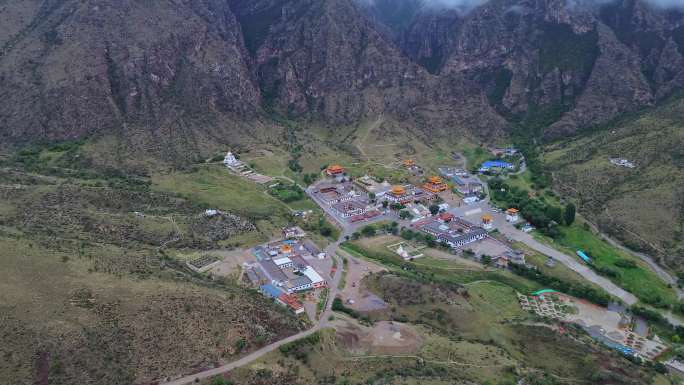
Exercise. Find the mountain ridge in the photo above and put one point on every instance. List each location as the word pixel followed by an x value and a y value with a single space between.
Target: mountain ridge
pixel 215 69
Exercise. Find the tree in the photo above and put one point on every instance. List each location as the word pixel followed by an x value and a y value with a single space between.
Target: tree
pixel 221 381
pixel 310 178
pixel 368 231
pixel 240 344
pixel 430 240
pixel 486 260
pixel 397 206
pixel 569 213
pixel 371 196
pixel 405 214
pixel 434 209
pixel 407 234
pixel 385 204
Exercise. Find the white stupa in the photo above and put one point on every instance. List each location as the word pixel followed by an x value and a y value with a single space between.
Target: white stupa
pixel 230 160
pixel 402 253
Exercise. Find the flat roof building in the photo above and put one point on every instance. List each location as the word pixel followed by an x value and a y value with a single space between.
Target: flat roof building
pixel 315 278
pixel 350 209
pixel 283 262
pixel 270 291
pixel 273 272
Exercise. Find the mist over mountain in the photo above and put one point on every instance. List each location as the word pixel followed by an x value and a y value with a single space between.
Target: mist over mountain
pixel 468 5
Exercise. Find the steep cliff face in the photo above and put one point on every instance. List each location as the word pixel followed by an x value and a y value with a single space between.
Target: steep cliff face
pixel 551 63
pixel 323 59
pixel 209 68
pixel 74 68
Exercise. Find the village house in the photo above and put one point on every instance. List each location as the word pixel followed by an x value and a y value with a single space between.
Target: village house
pixel 512 215
pixel 316 280
pixel 270 291
pixel 350 209
pixel 471 198
pixel 453 231
pixel 283 262
pixel 451 172
pixel 496 165
pixel 487 222
pixel 293 232
pixel 299 283
pixel 331 195
pixel 503 261
pixel 292 302
pixel 467 185
pixel 508 151
pixel 276 276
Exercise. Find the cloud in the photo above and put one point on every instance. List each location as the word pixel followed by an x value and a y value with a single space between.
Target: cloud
pixel 667 3
pixel 461 5
pixel 465 5
pixel 468 5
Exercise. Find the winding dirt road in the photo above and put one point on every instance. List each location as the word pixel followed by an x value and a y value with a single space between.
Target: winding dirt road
pixel 255 355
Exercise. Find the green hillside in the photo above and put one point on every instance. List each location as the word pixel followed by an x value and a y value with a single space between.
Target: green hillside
pixel 641 206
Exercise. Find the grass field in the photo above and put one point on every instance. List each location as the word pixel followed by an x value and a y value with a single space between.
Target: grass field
pixel 639 280
pixel 559 271
pixel 438 270
pixel 214 186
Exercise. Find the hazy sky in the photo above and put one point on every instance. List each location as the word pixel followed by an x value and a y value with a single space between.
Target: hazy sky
pixel 470 4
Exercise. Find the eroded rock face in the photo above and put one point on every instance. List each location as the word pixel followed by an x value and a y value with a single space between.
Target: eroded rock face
pixel 552 63
pixel 206 68
pixel 74 68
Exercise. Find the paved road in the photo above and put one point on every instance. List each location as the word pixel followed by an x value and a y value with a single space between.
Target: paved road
pixel 569 261
pixel 322 324
pixel 660 271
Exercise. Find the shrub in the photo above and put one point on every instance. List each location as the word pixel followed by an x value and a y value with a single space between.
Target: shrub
pixel 626 264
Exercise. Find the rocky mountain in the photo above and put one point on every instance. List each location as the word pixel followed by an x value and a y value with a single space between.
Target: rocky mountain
pixel 193 71
pixel 563 64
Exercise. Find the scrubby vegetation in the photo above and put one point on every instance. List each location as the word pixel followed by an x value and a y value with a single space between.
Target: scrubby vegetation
pixel 94 295
pixel 580 291
pixel 287 192
pixel 542 214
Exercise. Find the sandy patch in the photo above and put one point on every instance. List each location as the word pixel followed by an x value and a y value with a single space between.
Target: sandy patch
pixel 385 337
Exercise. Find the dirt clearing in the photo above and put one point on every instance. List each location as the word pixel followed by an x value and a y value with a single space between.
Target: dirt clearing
pixel 385 337
pixel 354 294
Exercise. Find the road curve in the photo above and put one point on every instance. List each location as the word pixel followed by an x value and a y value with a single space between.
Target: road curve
pixel 255 355
pixel 573 264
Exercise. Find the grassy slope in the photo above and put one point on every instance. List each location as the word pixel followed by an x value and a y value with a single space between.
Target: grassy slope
pixel 641 281
pixel 643 207
pixel 441 271
pixel 86 298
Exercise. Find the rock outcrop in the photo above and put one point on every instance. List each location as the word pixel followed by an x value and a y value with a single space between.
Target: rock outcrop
pixel 192 71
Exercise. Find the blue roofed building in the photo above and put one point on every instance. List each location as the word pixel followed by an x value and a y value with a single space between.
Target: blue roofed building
pixel 270 291
pixel 496 165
